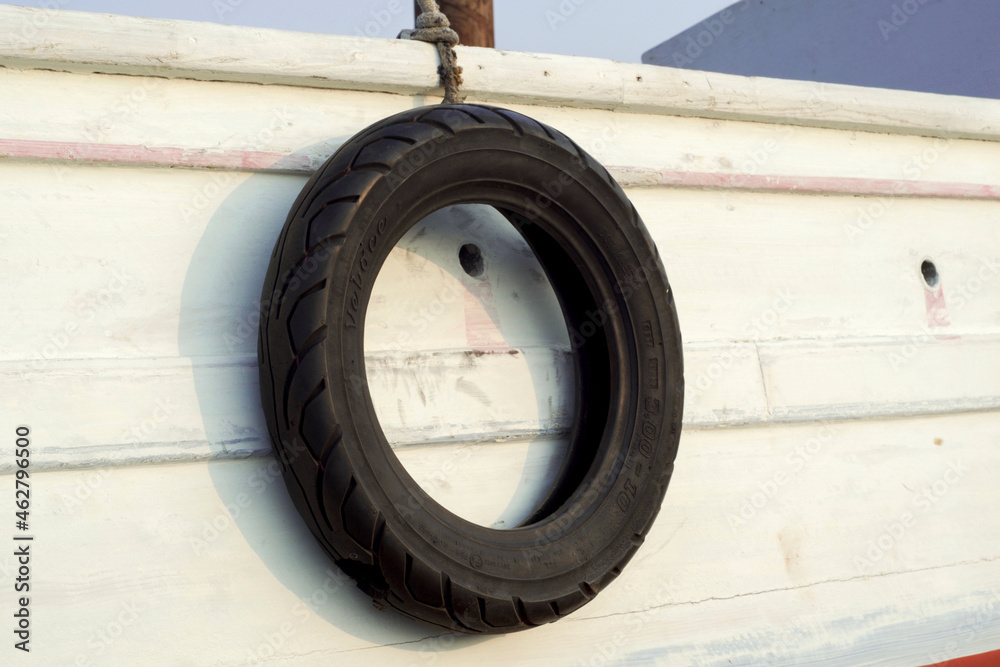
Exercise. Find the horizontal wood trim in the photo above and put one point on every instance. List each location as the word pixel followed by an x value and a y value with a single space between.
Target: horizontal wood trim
pixel 784 584
pixel 790 267
pixel 172 410
pixel 265 161
pixel 82 42
pixel 153 156
pixel 785 183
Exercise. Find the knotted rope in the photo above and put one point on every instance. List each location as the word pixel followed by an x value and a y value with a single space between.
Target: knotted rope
pixel 433 26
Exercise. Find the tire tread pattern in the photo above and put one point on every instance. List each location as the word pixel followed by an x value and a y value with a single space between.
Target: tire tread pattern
pixel 315 464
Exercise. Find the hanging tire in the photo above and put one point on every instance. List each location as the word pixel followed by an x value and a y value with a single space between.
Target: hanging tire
pixel 372 518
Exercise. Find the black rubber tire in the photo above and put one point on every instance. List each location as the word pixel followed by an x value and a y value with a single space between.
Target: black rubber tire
pixel 403 548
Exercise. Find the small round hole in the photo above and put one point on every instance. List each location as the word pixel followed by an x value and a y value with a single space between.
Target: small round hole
pixel 471 259
pixel 930 273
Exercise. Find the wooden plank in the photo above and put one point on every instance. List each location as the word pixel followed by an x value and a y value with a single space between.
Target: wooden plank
pixel 453 473
pixel 98 413
pixel 175 546
pixel 825 267
pixel 127 264
pixel 821 501
pixel 471 396
pixel 211 232
pixel 902 376
pixel 834 276
pixel 49 39
pixel 897 620
pixel 264 161
pixel 138 120
pixel 637 177
pixel 141 412
pixel 147 156
pixel 95 413
pixel 723 385
pixel 130 412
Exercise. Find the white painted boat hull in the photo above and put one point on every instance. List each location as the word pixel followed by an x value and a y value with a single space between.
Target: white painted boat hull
pixel 833 497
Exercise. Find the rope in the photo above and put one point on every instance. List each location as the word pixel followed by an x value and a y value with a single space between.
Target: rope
pixel 433 26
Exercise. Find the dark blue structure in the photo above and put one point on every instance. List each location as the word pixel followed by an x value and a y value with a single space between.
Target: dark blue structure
pixel 936 46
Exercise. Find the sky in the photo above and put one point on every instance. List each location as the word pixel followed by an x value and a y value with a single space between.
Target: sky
pixel 620 30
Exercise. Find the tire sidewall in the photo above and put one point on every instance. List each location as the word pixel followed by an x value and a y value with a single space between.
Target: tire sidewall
pixel 598 528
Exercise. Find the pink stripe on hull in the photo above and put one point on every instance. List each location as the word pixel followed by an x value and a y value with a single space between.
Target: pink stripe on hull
pixel 813 184
pixel 206 158
pixel 215 158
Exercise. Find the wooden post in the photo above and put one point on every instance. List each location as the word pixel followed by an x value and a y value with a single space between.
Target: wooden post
pixel 471 19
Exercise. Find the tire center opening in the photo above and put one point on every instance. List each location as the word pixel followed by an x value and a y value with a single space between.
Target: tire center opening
pixel 469 365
